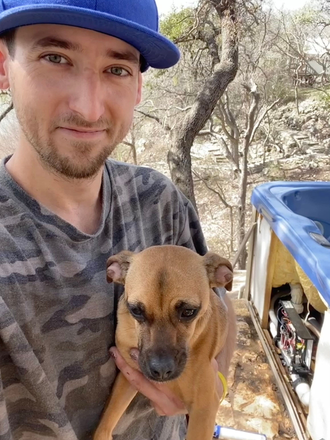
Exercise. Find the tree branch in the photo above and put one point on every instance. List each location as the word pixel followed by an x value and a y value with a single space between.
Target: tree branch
pixel 155 118
pixel 221 197
pixel 262 116
pixel 5 113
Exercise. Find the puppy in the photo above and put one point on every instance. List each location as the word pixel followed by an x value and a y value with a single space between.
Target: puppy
pixel 171 314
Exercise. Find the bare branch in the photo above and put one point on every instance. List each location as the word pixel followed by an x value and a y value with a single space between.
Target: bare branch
pixel 221 197
pixel 225 119
pixel 5 113
pixel 252 90
pixel 262 116
pixel 155 118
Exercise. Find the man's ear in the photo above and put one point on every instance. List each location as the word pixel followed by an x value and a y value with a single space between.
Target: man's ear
pixel 117 267
pixel 219 270
pixel 4 59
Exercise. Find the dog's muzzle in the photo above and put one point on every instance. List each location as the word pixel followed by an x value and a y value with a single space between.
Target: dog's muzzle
pixel 163 364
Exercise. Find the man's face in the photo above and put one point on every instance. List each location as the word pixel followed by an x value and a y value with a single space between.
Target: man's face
pixel 74 92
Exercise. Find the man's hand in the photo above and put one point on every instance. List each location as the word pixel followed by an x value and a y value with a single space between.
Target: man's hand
pixel 164 401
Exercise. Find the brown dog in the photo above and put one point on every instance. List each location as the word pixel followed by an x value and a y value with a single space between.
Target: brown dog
pixel 171 314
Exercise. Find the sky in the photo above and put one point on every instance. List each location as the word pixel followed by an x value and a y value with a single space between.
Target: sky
pixel 165 6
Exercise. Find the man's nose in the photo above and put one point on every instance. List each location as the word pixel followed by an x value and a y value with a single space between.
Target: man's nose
pixel 87 97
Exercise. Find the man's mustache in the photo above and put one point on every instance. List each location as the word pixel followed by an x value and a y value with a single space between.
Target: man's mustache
pixel 78 122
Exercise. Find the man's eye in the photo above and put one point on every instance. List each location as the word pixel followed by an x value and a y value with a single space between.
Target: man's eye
pixel 56 59
pixel 119 71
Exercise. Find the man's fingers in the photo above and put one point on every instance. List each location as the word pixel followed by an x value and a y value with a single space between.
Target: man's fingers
pixel 175 401
pixel 134 352
pixel 164 401
pixel 162 398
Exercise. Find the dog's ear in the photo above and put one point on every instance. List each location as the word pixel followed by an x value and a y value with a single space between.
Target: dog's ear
pixel 117 267
pixel 219 270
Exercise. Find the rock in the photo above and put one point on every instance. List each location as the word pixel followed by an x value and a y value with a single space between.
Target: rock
pixel 312 165
pixel 262 407
pixel 269 428
pixel 305 145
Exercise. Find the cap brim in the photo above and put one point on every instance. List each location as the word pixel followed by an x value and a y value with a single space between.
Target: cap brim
pixel 157 51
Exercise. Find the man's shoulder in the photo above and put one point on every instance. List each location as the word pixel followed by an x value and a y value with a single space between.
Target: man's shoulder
pixel 121 168
pixel 144 187
pixel 139 176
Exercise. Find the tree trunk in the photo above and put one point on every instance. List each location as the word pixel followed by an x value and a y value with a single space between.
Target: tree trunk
pixel 251 128
pixel 179 162
pixel 179 159
pixel 242 206
pixel 133 147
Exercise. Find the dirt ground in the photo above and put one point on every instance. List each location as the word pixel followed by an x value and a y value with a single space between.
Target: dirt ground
pixel 253 402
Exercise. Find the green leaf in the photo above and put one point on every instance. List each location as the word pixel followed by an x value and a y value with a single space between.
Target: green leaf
pixel 177 24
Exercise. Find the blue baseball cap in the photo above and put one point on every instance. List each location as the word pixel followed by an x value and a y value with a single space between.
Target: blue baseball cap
pixel 133 21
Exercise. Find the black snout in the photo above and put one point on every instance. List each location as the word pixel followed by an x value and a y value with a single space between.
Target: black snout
pixel 162 365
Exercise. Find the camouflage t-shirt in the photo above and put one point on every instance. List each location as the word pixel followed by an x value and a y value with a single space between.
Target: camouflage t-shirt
pixel 57 312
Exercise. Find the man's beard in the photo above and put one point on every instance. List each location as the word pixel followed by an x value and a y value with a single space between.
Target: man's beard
pixel 76 166
pixel 71 168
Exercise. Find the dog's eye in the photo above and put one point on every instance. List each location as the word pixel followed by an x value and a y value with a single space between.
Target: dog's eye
pixel 188 314
pixel 137 312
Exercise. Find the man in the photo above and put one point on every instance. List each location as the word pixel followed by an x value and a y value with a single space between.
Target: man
pixel 74 69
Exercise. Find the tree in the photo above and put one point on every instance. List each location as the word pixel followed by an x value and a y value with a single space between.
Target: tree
pixel 238 116
pixel 303 38
pixel 234 115
pixel 224 68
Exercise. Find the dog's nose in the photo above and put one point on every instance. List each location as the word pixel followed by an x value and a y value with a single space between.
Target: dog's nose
pixel 162 367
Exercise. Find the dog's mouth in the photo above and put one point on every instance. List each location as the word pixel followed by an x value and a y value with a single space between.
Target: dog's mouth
pixel 162 365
